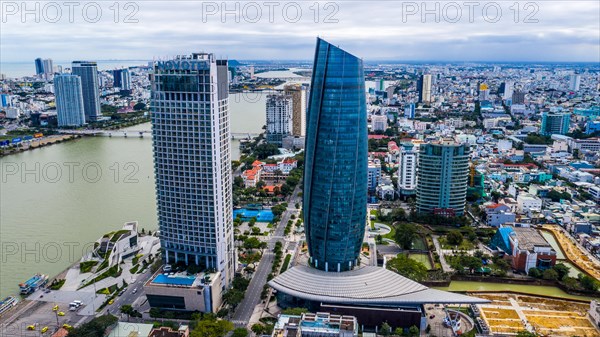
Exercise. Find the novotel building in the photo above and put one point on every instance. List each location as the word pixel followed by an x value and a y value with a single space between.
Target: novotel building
pixel 192 162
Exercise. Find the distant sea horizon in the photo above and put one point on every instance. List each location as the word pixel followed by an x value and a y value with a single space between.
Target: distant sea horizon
pixel 27 68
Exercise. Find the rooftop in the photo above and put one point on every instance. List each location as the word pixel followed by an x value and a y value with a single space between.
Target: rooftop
pixel 367 286
pixel 529 238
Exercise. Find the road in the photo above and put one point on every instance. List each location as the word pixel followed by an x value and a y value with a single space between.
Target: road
pixel 244 311
pixel 128 296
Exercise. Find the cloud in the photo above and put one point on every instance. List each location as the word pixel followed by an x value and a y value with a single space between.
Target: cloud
pixel 402 30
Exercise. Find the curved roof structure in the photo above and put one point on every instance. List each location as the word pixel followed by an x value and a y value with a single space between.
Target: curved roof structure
pixel 367 286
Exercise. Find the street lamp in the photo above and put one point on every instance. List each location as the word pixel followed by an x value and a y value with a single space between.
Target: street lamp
pixel 55 309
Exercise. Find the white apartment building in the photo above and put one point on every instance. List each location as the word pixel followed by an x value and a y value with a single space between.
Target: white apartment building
pixel 379 123
pixel 279 118
pixel 192 162
pixel 407 169
pixel 528 203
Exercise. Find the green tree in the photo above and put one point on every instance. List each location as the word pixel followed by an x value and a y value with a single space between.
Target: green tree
pixel 502 264
pixel 588 282
pixel 258 328
pixel 94 328
pixel 534 272
pixel 386 329
pixel 550 274
pixel 210 326
pixel 454 238
pixel 407 267
pixel 240 332
pixel 413 331
pixel 233 297
pixel 126 309
pixel 405 234
pixel 562 270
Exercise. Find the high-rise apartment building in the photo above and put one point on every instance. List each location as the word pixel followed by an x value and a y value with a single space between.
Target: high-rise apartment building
pixel 507 91
pixel 574 82
pixel 335 175
pixel 373 174
pixel 122 79
pixel 555 123
pixel 409 111
pixel 407 169
pixel 69 100
pixel 88 72
pixel 299 95
pixel 39 66
pixel 518 97
pixel 442 173
pixel 424 88
pixel 48 68
pixel 279 109
pixel 192 162
pixel 484 92
pixel 379 122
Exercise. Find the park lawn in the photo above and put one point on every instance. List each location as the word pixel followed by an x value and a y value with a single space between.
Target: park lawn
pixel 423 258
pixel 465 245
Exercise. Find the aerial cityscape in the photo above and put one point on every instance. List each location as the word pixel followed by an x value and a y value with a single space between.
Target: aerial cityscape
pixel 292 175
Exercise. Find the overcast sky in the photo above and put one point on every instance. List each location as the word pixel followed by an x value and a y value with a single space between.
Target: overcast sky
pixel 374 30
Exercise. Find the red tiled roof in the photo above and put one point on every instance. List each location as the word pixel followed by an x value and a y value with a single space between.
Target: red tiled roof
pixel 62 332
pixel 494 206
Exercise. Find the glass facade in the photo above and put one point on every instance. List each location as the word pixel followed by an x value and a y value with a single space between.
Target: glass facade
pixel 88 72
pixel 69 100
pixel 335 176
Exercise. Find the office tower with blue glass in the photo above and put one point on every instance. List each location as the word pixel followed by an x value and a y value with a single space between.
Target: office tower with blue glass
pixel 39 66
pixel 88 72
pixel 192 162
pixel 335 175
pixel 442 176
pixel 122 79
pixel 335 203
pixel 69 100
pixel 555 123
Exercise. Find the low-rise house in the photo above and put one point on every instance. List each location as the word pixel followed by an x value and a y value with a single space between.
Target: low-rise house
pixel 526 247
pixel 528 203
pixel 498 214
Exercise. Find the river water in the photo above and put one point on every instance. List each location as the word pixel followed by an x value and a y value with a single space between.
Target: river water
pixel 56 200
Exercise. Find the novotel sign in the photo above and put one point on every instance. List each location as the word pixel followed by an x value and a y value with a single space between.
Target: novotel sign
pixel 182 65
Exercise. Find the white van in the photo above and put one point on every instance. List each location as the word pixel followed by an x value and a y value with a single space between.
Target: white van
pixel 73 306
pixel 78 303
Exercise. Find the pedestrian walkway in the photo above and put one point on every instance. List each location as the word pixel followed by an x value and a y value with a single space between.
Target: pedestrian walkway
pixel 445 266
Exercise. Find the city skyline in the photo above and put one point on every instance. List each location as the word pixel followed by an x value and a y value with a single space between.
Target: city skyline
pixel 270 180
